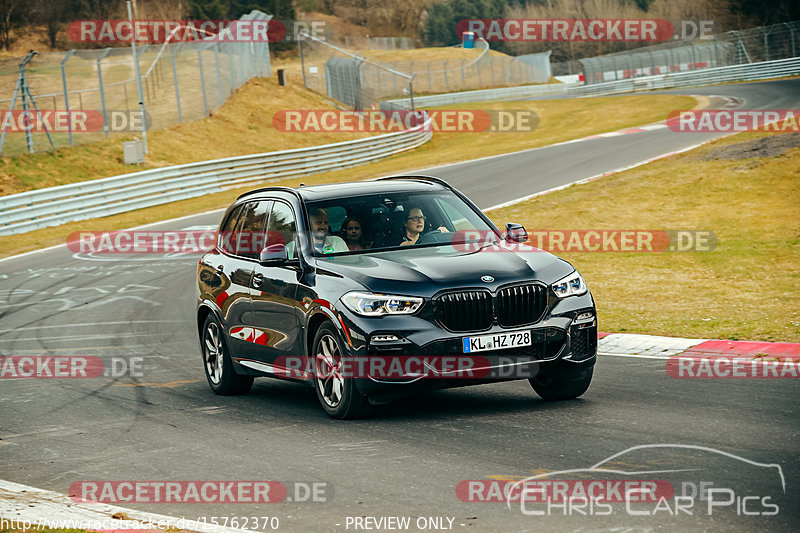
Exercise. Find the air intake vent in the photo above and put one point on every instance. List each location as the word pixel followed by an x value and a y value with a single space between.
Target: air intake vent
pixel 523 304
pixel 465 311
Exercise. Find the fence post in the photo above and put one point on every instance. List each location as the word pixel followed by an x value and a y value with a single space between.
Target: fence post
pixel 766 44
pixel 66 92
pixel 102 91
pixel 791 36
pixel 243 68
pixel 219 77
pixel 202 81
pixel 463 79
pixel 430 89
pixel 302 62
pixel 232 70
pixel 446 84
pixel 173 51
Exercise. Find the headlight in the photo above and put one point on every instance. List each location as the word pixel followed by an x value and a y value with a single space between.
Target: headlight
pixel 369 304
pixel 571 285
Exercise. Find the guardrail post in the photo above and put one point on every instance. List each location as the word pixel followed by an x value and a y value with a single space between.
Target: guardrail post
pixel 66 92
pixel 102 91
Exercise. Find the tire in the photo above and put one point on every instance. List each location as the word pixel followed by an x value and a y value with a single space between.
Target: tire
pixel 562 387
pixel 337 394
pixel 221 376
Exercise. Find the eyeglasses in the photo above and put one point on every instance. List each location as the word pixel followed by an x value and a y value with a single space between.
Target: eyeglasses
pixel 417 219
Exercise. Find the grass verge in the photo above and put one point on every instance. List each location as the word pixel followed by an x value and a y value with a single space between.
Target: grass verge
pixel 242 126
pixel 747 288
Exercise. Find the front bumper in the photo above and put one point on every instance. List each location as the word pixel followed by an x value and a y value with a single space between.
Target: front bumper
pixel 564 340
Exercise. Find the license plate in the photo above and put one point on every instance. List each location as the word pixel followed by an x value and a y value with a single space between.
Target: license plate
pixel 497 341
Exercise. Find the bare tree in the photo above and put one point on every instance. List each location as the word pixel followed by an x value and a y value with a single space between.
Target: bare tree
pixel 9 15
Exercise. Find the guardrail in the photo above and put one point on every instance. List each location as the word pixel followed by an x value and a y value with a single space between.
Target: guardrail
pixel 53 206
pixel 709 76
pixel 693 78
pixel 482 95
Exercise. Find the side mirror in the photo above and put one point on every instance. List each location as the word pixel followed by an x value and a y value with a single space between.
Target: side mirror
pixel 273 255
pixel 516 232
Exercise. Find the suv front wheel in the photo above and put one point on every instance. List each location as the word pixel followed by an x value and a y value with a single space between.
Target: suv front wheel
pixel 336 392
pixel 562 386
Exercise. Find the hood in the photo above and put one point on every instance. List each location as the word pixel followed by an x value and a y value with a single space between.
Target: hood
pixel 424 271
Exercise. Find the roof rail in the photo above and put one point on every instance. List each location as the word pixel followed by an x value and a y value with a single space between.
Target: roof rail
pixel 430 179
pixel 273 188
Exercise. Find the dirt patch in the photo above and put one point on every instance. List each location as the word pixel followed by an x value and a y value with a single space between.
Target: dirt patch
pixel 763 147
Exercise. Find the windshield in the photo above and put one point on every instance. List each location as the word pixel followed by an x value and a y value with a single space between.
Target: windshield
pixel 361 224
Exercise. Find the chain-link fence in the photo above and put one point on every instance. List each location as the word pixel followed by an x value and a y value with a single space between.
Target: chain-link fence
pixel 779 41
pixel 367 83
pixel 181 82
pixel 352 42
pixel 347 77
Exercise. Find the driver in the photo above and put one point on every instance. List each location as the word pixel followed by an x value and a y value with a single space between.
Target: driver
pixel 320 240
pixel 415 226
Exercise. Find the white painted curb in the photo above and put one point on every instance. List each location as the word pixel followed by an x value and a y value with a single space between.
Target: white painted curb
pixel 46 508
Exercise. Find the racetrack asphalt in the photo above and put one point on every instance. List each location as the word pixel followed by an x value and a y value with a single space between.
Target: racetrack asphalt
pixel 409 457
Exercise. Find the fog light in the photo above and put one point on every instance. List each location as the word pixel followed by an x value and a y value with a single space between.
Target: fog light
pixel 385 338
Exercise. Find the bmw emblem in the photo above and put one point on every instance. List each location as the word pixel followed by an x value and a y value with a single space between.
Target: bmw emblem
pixel 487 279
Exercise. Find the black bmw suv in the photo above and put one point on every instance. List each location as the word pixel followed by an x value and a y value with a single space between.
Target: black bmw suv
pixel 372 290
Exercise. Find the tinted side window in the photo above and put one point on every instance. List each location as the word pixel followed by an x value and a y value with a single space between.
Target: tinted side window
pixel 224 239
pixel 250 232
pixel 281 228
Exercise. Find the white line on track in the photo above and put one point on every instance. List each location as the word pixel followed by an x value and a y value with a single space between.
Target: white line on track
pixel 94 324
pixel 109 336
pixel 635 356
pixel 602 175
pixel 64 245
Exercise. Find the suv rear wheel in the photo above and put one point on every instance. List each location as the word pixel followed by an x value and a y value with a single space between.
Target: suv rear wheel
pixel 217 362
